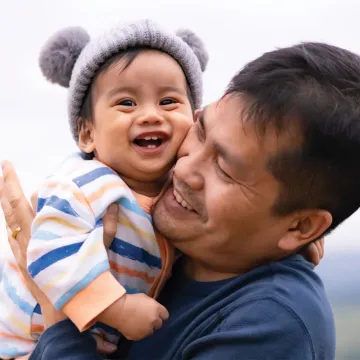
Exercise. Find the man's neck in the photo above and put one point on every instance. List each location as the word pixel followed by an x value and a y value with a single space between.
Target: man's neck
pixel 203 273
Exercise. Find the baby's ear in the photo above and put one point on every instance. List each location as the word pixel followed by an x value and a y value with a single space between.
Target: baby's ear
pixel 60 53
pixel 196 44
pixel 196 115
pixel 86 141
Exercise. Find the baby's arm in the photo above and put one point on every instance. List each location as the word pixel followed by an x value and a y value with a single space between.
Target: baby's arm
pixel 135 316
pixel 66 255
pixel 67 259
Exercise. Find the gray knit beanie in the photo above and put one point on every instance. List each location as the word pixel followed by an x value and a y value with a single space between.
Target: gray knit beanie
pixel 71 60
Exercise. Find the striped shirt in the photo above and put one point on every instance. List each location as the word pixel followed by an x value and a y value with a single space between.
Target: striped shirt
pixel 66 255
pixel 68 260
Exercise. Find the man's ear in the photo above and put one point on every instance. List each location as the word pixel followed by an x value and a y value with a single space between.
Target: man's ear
pixel 307 226
pixel 86 136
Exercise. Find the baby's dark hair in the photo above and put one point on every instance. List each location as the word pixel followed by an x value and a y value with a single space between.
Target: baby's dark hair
pixel 128 56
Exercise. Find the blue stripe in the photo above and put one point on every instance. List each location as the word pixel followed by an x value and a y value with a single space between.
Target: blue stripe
pixel 40 204
pixel 11 352
pixel 134 207
pixel 45 235
pixel 85 281
pixel 58 204
pixel 98 224
pixel 52 257
pixel 37 309
pixel 92 175
pixel 133 252
pixel 16 299
pixel 130 290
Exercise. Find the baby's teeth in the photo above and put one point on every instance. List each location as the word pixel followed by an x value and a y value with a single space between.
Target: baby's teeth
pixel 151 146
pixel 154 138
pixel 148 138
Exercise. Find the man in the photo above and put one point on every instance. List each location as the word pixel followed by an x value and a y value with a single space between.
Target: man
pixel 266 170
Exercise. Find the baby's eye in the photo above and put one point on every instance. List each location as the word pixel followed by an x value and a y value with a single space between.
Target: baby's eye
pixel 127 102
pixel 168 101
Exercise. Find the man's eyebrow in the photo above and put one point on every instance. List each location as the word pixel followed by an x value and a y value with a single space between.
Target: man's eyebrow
pixel 229 158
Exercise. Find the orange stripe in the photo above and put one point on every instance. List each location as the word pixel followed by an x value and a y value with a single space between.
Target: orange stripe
pixel 37 328
pixel 40 220
pixel 78 195
pixel 17 270
pixel 101 191
pixel 133 273
pixel 15 337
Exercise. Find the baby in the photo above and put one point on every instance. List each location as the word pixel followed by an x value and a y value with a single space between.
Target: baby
pixel 132 96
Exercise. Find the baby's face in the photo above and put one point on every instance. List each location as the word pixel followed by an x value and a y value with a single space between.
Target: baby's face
pixel 141 115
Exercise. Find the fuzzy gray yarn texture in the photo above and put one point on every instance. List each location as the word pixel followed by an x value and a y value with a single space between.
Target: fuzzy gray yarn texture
pixel 71 59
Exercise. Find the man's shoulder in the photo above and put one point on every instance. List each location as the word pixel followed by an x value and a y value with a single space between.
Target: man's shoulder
pixel 294 284
pixel 288 293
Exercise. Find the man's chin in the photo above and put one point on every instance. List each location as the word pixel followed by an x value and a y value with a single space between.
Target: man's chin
pixel 163 221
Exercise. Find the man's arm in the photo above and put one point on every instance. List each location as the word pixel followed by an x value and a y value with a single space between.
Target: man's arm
pixel 260 330
pixel 63 341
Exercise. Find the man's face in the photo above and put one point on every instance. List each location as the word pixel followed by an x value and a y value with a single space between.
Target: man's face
pixel 218 209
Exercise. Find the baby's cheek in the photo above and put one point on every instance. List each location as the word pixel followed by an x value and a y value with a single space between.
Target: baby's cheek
pixel 185 127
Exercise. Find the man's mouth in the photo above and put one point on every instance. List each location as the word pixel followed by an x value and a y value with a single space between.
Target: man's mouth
pixel 151 140
pixel 181 201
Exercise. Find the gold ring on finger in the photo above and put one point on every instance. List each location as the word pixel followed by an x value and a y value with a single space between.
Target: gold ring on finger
pixel 15 233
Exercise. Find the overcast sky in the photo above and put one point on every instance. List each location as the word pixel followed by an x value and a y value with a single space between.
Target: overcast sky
pixel 35 134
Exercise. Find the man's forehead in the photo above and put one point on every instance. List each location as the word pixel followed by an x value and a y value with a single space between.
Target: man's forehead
pixel 218 112
pixel 210 110
pixel 237 134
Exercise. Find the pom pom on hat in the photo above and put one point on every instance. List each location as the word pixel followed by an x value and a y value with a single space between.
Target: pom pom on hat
pixel 60 52
pixel 71 59
pixel 196 45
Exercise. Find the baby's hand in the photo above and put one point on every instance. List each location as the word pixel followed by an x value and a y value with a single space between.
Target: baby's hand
pixel 140 316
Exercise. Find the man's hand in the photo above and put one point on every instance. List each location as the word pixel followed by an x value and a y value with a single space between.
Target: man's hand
pixel 314 252
pixel 19 213
pixel 103 346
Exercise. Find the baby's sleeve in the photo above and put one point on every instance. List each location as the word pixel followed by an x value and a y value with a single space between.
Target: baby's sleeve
pixel 66 255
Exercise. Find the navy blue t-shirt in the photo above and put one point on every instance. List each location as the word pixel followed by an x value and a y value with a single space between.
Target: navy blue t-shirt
pixel 276 312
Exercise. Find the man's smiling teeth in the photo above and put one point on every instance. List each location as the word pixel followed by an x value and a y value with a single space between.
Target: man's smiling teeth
pixel 181 201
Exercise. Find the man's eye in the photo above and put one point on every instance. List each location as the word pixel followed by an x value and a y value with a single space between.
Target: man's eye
pixel 222 172
pixel 168 101
pixel 127 102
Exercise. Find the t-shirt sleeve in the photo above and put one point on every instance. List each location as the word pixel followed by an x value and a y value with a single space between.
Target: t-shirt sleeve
pixel 66 255
pixel 63 341
pixel 261 330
